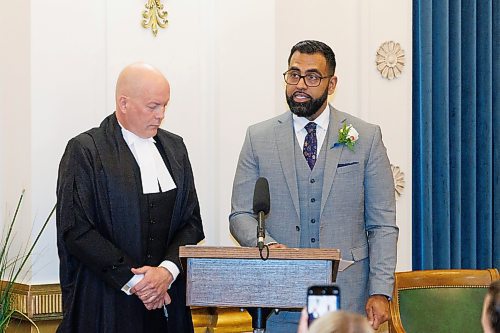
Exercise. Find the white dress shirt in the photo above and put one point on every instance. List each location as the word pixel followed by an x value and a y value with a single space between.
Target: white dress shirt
pixel 322 123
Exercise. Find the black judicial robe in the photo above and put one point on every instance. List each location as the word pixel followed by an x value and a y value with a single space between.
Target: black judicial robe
pixel 98 194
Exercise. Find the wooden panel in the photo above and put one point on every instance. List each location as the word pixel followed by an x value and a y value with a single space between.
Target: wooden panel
pixel 253 253
pixel 38 302
pixel 255 283
pixel 22 326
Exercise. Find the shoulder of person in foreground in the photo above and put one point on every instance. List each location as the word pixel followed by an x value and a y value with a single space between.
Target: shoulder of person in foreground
pixel 490 319
pixel 341 322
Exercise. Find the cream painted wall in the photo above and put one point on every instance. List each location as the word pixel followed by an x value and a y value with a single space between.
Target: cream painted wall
pixel 15 129
pixel 208 51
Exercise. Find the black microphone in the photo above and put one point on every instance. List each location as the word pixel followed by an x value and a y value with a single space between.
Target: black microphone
pixel 261 206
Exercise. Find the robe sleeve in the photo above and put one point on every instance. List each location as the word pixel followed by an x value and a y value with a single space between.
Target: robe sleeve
pixel 77 215
pixel 190 230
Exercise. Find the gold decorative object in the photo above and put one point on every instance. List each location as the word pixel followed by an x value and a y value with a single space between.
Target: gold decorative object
pixel 390 60
pixel 37 302
pixel 399 180
pixel 154 16
pixel 42 304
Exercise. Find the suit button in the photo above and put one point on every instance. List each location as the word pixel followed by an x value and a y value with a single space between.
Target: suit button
pixel 313 221
pixel 151 205
pixel 149 256
pixel 313 200
pixel 151 238
pixel 312 181
pixel 313 240
pixel 152 221
pixel 297 228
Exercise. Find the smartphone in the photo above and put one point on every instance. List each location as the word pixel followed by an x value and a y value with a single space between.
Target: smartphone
pixel 321 300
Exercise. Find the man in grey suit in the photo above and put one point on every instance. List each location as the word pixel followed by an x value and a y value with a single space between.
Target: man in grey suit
pixel 330 185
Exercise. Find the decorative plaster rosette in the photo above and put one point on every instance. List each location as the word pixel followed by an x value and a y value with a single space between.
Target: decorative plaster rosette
pixel 390 60
pixel 399 180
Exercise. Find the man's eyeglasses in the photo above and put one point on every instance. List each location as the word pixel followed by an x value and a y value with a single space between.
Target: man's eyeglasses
pixel 310 79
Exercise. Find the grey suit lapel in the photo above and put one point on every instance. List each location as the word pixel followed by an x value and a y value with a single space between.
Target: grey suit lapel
pixel 285 140
pixel 332 154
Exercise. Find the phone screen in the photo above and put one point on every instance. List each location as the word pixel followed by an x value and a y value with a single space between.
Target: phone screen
pixel 321 300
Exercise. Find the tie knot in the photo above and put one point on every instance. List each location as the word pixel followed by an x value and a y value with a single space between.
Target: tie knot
pixel 310 127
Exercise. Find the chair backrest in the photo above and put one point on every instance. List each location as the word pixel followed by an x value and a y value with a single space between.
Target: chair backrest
pixel 439 300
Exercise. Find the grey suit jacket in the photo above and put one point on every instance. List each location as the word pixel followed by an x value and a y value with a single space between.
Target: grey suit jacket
pixel 358 214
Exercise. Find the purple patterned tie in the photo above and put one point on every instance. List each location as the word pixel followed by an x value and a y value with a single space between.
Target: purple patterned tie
pixel 310 144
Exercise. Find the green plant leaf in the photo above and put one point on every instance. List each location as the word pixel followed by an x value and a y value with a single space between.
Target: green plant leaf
pixel 11 268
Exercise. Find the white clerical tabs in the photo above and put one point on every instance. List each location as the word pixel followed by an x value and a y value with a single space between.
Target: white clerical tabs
pixel 154 172
pixel 164 177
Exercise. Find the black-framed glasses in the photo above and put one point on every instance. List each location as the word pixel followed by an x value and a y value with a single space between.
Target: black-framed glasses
pixel 310 79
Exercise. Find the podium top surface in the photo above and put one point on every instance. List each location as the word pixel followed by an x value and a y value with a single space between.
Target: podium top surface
pixel 228 252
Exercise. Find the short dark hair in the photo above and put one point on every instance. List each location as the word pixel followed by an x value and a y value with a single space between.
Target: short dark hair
pixel 314 46
pixel 493 309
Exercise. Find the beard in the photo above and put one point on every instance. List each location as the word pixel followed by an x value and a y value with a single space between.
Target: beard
pixel 306 109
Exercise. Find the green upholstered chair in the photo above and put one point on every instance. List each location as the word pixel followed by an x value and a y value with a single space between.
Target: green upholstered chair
pixel 438 301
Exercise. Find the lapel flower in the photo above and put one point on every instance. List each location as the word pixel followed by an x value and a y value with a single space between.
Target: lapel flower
pixel 348 136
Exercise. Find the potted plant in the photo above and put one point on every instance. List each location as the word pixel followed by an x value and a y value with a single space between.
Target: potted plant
pixel 10 268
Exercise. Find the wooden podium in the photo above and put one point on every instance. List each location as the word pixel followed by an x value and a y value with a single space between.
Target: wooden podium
pixel 238 277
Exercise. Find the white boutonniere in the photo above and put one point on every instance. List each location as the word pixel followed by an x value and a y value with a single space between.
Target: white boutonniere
pixel 348 136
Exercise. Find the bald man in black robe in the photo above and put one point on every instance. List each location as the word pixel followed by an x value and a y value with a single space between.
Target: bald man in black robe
pixel 121 217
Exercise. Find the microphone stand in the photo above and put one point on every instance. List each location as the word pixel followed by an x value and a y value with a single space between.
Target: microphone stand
pixel 261 205
pixel 259 317
pixel 261 235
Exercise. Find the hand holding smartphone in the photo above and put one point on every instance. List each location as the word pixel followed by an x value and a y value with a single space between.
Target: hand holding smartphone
pixel 322 299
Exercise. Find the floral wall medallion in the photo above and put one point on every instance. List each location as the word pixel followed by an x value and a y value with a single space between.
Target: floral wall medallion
pixel 390 60
pixel 399 180
pixel 154 16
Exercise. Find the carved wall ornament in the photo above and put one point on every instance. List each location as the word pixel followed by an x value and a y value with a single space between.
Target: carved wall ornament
pixel 154 16
pixel 390 60
pixel 399 180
